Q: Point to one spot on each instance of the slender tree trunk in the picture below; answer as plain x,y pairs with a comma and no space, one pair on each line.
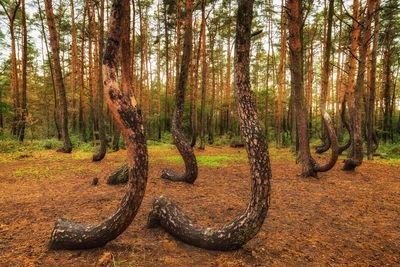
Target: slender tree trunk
166,109
372,88
281,74
74,63
102,132
159,70
58,77
228,70
56,105
183,147
196,88
82,109
11,14
243,228
70,235
24,111
203,76
211,116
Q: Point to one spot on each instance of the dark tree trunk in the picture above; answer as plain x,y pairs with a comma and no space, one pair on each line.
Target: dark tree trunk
166,109
235,234
195,85
55,113
203,76
82,111
70,235
181,144
346,125
24,112
116,136
372,88
325,79
102,131
59,83
210,117
355,157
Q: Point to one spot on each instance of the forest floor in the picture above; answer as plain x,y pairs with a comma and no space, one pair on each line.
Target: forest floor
342,218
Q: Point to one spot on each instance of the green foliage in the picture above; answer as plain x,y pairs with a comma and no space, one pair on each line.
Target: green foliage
211,161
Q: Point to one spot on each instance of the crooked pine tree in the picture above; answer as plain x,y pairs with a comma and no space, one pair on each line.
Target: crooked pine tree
181,144
67,234
238,232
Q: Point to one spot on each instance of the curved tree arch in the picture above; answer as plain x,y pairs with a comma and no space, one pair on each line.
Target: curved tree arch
67,234
184,148
309,166
238,232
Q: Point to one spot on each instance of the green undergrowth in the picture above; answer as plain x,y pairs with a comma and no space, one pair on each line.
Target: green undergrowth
211,161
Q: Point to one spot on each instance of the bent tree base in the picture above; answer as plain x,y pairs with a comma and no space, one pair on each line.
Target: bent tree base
67,234
181,144
234,234
120,175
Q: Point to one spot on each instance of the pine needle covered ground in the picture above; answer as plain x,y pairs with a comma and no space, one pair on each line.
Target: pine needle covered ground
341,218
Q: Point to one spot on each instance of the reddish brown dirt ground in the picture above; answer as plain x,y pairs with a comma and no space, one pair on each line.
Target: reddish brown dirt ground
343,218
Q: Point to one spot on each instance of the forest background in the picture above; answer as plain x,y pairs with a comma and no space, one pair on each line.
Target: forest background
30,105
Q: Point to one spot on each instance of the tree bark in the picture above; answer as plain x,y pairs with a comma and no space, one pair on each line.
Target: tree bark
24,111
102,132
355,157
74,63
82,109
309,166
346,125
372,89
203,76
120,175
211,116
70,235
235,234
59,83
11,14
181,144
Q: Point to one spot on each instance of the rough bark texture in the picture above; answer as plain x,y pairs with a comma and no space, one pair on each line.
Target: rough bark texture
70,235
234,234
181,144
355,157
59,83
120,175
24,111
346,125
203,77
372,89
329,128
102,131
309,166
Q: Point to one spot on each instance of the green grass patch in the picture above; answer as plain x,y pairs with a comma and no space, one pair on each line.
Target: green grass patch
210,161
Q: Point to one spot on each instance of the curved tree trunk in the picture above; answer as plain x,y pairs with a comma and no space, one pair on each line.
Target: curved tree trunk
70,235
120,175
355,157
181,144
324,147
309,165
235,234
